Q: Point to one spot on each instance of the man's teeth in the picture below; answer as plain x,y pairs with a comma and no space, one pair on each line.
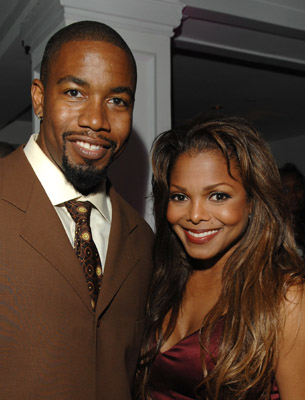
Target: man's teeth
88,146
202,234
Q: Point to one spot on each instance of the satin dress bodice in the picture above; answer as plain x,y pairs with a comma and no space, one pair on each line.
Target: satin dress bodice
177,372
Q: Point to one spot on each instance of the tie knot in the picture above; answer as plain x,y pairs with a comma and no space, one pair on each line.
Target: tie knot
79,211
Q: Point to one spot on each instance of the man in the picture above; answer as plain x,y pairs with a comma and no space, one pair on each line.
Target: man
69,329
293,184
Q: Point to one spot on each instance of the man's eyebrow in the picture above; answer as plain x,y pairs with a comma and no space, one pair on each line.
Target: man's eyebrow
123,89
73,79
81,82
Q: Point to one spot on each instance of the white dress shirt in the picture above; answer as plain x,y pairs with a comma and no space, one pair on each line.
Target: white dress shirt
59,190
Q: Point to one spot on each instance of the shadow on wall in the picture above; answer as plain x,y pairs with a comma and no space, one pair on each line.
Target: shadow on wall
130,173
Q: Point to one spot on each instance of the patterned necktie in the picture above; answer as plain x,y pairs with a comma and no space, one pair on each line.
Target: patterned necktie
85,248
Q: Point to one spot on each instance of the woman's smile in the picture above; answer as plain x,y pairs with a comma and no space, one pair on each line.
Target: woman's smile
200,236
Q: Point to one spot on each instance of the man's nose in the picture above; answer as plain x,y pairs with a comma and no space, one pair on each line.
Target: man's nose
198,211
94,116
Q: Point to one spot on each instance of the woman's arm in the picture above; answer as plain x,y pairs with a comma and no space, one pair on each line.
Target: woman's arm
290,372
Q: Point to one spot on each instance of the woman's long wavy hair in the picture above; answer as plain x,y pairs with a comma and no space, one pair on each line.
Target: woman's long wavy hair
255,277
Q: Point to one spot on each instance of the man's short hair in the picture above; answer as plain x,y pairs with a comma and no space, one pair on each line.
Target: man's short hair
83,30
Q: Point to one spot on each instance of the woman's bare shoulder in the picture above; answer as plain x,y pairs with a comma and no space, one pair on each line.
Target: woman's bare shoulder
290,370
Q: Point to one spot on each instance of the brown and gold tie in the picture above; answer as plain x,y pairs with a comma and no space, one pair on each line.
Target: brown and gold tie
85,248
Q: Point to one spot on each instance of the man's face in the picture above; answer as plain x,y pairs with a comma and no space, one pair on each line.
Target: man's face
87,109
294,191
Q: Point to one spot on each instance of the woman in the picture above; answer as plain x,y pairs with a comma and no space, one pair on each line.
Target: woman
225,310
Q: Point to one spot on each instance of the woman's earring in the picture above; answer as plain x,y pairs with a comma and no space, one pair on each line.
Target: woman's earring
40,117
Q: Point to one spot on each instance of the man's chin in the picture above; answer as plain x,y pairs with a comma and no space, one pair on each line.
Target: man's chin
85,178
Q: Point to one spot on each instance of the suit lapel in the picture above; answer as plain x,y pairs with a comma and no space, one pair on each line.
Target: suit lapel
42,228
43,231
121,255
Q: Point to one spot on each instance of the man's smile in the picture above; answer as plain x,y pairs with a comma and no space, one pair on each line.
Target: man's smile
93,148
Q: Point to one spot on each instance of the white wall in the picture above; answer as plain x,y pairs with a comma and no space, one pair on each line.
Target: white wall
290,150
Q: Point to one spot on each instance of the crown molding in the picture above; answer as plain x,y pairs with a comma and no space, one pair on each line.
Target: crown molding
152,16
156,16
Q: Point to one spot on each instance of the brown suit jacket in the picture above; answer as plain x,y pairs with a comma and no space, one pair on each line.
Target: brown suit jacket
52,346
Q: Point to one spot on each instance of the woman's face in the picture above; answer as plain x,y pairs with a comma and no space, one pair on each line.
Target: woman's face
207,208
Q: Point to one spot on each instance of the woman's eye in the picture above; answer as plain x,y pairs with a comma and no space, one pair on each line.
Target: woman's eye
177,197
219,196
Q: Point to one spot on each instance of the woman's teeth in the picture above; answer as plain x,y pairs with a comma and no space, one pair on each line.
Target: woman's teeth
202,234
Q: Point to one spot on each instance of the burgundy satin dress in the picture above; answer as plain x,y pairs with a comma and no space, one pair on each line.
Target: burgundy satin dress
176,372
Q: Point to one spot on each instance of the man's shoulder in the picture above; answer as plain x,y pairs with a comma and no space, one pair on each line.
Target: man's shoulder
17,178
128,210
11,165
15,165
15,160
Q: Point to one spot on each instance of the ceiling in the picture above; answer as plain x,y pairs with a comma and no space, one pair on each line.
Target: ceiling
267,90
272,98
242,60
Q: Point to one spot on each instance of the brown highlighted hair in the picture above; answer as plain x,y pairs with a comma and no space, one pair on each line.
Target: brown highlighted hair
255,278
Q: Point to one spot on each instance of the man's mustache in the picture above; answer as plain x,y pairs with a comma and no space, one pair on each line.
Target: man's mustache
112,143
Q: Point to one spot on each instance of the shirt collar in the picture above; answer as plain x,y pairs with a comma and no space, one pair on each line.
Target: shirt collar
57,188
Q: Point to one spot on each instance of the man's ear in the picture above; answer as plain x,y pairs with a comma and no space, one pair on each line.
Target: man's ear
37,92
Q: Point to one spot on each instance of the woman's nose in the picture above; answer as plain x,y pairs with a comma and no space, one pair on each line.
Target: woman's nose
198,212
